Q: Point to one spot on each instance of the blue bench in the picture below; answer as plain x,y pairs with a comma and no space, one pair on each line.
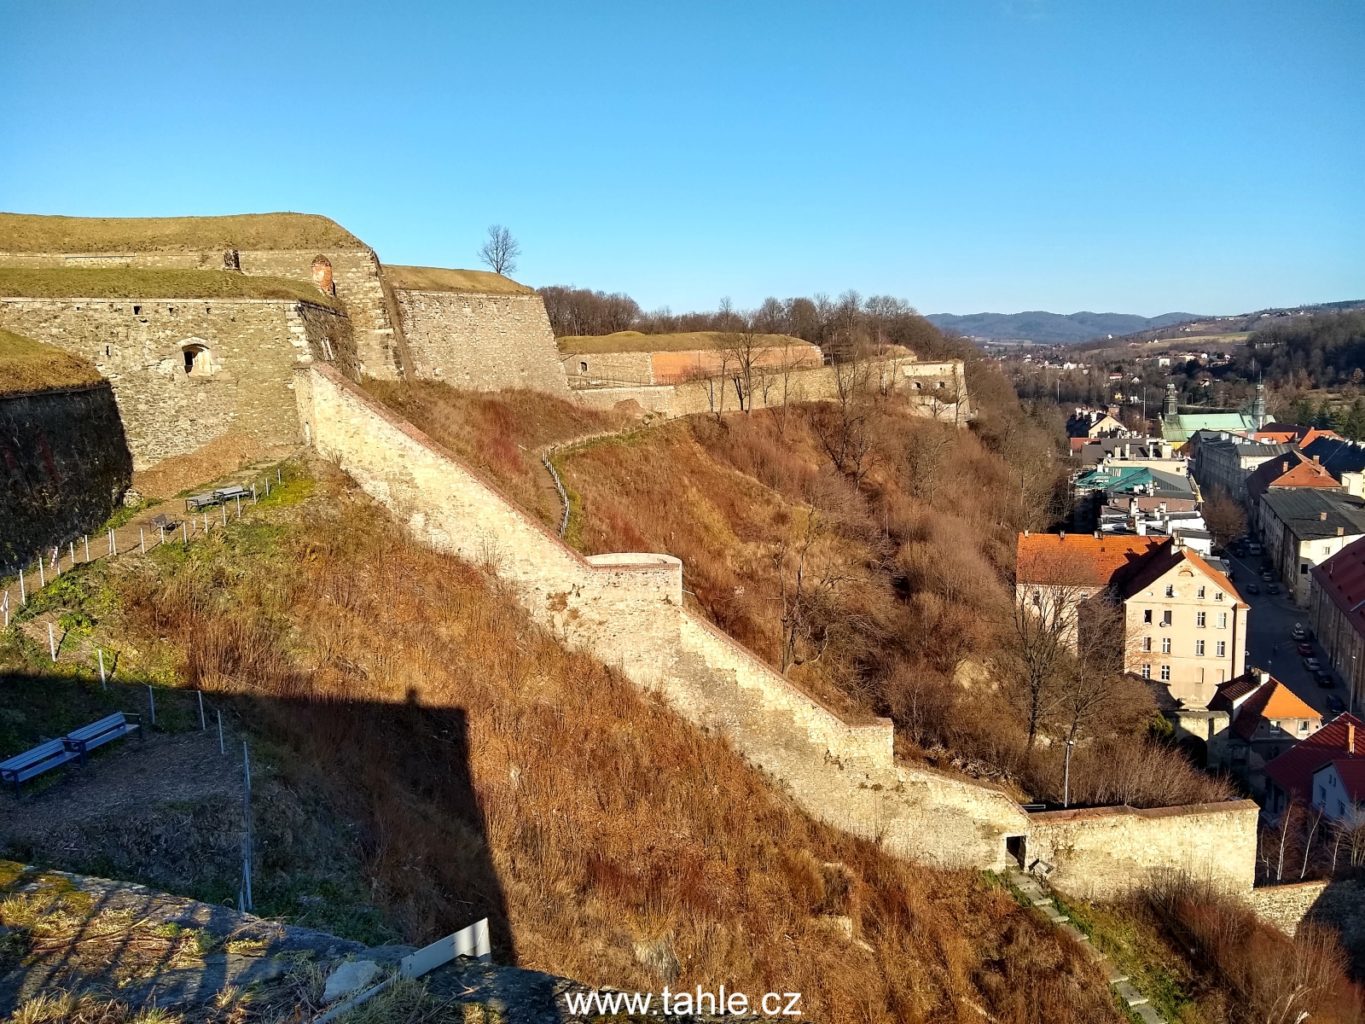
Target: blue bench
89,737
229,493
32,763
199,502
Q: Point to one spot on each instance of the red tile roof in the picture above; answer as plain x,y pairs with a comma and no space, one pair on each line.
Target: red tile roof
1342,579
1293,770
1078,559
1352,773
1272,702
1293,469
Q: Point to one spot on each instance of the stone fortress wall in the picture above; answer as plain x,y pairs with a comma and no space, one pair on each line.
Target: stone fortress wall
480,341
627,610
245,351
355,275
63,467
937,389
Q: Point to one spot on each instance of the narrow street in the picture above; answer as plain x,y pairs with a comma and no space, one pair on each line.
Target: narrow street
1269,645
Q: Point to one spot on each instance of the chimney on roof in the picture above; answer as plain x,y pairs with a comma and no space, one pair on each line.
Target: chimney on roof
1097,534
1317,459
1061,534
1284,466
1322,516
1350,738
1260,675
1341,531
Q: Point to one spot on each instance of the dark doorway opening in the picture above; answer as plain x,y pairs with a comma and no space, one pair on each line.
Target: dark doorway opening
1015,849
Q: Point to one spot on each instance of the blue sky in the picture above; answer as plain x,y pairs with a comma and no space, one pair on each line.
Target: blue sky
973,155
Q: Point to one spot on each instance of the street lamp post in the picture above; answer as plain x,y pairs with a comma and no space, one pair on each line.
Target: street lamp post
1066,774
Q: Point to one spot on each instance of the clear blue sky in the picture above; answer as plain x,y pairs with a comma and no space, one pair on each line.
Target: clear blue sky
1200,155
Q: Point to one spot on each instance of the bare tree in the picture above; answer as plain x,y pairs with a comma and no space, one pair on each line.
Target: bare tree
846,435
805,588
1225,516
500,250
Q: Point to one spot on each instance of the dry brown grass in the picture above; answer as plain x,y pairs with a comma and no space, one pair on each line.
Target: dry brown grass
441,279
496,773
686,341
135,283
499,433
27,365
29,232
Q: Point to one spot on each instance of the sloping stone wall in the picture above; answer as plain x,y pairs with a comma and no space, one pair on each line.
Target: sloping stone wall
482,342
627,610
246,383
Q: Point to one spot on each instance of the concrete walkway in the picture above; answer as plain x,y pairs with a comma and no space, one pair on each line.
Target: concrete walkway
1135,1001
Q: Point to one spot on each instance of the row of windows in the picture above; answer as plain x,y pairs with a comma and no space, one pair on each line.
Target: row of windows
1201,593
1200,648
1201,619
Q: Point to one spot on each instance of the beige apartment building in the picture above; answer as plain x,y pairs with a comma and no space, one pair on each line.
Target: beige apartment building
1185,624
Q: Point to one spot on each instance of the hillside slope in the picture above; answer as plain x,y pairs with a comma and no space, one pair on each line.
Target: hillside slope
475,767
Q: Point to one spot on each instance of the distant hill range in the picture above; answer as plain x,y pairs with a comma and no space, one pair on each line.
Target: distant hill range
1053,328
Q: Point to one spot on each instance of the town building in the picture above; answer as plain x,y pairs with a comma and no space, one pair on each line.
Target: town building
1339,791
1177,427
1303,527
1344,459
1290,777
1224,461
1092,423
1336,605
1184,624
1293,469
1267,718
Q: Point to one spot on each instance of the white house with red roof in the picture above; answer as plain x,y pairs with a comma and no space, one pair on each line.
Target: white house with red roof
1339,791
1290,777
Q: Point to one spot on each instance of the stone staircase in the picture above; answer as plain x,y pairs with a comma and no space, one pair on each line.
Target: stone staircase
1033,891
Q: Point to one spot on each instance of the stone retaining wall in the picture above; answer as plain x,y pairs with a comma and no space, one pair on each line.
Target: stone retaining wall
251,348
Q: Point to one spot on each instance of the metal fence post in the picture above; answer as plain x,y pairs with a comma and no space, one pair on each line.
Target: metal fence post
52,641
42,576
85,538
202,726
224,508
57,560
246,825
142,539
151,704
103,682
221,748
184,532
4,607
23,593
71,549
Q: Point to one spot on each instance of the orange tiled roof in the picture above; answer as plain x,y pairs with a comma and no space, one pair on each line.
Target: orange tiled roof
1078,559
1271,701
1293,770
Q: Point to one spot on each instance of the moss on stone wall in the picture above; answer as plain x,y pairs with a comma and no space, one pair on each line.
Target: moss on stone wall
137,283
28,365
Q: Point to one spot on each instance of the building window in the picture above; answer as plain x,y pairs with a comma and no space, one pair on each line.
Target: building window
583,367
1222,620
1166,618
1199,648
1218,595
1146,643
1303,568
1199,619
1165,673
1201,593
1146,671
1038,599
1147,616
1222,648
198,361
1170,590
1165,645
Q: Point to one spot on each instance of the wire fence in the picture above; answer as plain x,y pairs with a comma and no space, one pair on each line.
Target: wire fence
27,605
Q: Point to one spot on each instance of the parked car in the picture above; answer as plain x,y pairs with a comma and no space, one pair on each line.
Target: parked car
1312,664
1335,705
1272,588
1252,588
1299,632
1254,549
1265,575
1325,680
1306,650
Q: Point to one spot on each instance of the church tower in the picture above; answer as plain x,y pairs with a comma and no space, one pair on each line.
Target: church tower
1258,407
1170,408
